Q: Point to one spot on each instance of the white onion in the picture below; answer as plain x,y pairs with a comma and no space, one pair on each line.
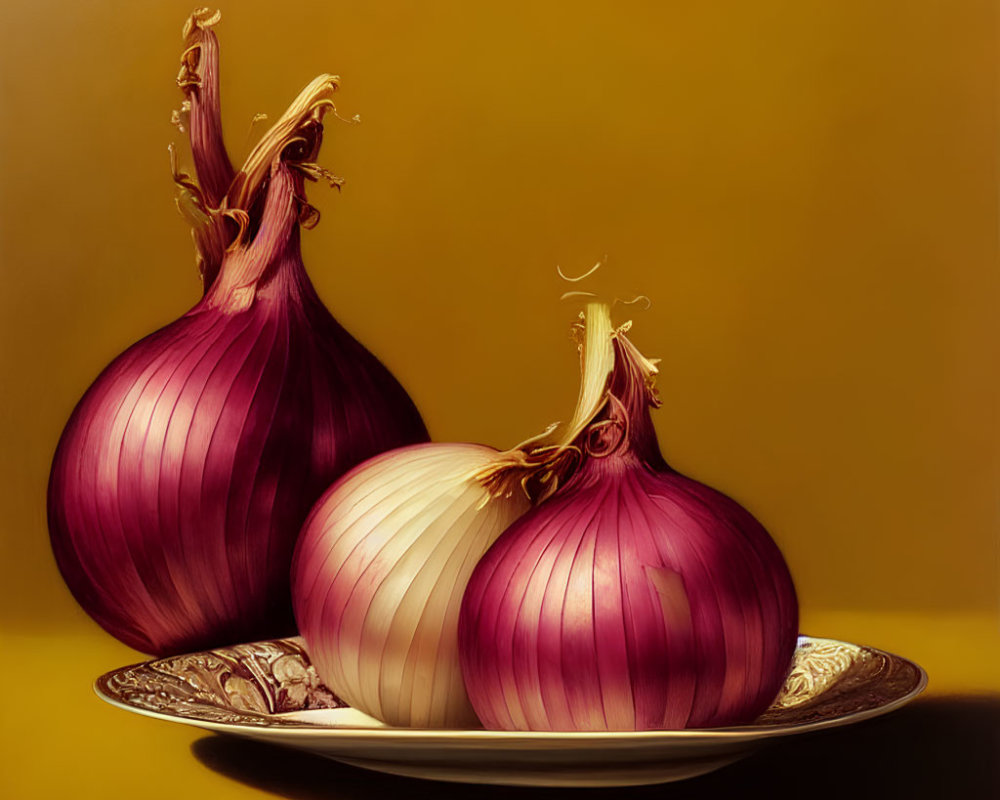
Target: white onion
379,574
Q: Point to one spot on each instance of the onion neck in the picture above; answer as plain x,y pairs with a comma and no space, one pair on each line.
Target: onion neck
624,428
611,424
271,255
241,228
619,427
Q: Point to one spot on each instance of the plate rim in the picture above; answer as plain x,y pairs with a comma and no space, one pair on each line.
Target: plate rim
442,736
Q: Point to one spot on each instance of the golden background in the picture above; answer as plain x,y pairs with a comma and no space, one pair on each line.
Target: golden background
807,192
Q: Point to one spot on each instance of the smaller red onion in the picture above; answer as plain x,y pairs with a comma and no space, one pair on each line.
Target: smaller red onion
634,598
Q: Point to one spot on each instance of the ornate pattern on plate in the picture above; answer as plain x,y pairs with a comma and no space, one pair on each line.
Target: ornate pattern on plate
249,684
831,679
245,684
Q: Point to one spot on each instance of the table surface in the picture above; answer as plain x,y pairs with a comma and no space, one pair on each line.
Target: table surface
58,739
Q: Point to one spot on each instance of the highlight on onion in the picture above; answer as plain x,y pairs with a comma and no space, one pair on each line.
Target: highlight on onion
184,474
634,598
384,557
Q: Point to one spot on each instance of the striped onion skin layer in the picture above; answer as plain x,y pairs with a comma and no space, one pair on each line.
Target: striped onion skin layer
634,598
379,574
184,474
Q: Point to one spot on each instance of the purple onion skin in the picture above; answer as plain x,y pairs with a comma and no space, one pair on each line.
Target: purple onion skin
183,477
633,599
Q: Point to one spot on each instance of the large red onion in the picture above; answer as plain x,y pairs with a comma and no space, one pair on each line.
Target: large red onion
634,598
185,472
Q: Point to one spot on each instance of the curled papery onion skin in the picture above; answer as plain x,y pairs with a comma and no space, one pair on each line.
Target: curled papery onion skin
184,474
635,598
379,573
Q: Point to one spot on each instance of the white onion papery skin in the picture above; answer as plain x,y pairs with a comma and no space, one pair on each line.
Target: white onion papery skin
378,578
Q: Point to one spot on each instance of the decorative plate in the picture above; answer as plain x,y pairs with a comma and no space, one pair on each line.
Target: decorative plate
269,691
